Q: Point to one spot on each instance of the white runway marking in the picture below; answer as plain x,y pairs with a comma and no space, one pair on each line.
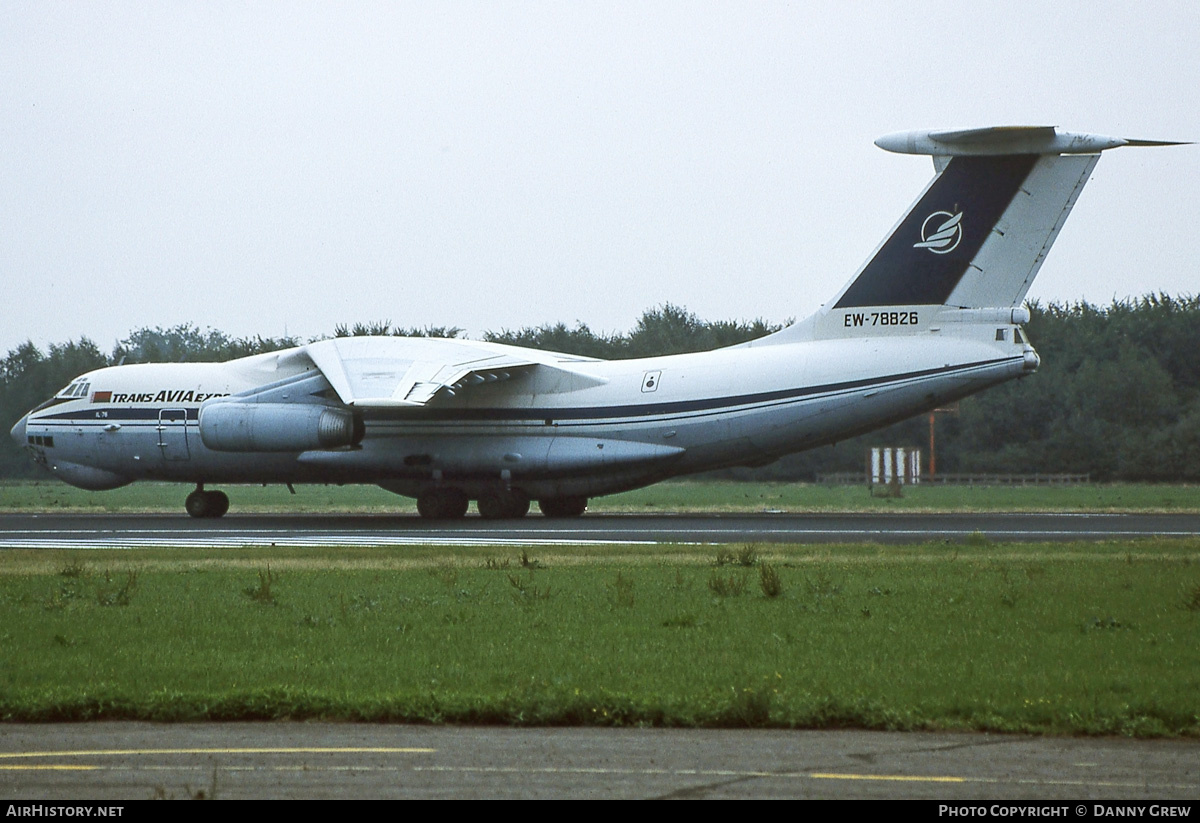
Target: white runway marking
34,532
580,537
312,541
359,540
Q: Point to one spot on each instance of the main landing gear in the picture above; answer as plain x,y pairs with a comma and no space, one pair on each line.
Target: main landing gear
503,505
206,504
449,503
442,504
571,506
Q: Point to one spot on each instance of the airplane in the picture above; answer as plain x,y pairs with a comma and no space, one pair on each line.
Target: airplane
934,315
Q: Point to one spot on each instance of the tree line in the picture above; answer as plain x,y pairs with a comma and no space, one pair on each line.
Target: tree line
1117,395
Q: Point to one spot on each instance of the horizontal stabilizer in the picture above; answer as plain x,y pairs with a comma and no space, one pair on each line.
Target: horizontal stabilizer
998,140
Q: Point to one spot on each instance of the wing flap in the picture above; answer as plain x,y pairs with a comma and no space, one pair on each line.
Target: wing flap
412,371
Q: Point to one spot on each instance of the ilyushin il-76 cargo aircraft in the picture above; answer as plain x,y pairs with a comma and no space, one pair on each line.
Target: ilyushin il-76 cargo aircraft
934,315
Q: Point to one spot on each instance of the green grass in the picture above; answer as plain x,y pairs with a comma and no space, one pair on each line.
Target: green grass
1061,638
674,496
810,497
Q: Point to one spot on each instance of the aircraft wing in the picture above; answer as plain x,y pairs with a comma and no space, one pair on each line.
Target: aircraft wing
411,371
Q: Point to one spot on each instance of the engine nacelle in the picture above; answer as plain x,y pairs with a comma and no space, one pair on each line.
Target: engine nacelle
276,427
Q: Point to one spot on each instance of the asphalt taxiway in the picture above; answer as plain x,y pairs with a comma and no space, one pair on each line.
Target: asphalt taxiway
115,761
83,531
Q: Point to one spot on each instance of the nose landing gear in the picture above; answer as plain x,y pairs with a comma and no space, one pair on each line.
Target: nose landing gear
206,504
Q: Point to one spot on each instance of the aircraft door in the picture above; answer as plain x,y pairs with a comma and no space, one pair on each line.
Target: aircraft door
172,434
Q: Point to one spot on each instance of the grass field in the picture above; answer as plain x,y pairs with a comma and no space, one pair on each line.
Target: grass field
1062,638
676,496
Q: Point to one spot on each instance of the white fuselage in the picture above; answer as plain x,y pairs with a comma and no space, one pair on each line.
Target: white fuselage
632,422
933,315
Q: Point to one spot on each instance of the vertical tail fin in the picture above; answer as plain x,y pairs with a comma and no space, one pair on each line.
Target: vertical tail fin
976,237
979,232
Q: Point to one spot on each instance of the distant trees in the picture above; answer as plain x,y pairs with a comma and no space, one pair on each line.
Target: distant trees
188,344
384,328
1118,393
666,329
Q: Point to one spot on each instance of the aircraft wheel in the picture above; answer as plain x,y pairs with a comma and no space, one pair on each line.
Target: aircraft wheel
570,506
503,505
197,504
519,505
442,504
206,504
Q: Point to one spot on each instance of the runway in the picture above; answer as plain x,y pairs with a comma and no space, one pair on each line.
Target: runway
92,531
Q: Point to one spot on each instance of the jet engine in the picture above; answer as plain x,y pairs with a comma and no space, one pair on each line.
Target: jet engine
276,427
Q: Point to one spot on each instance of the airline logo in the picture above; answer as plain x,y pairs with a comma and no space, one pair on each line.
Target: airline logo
165,396
941,232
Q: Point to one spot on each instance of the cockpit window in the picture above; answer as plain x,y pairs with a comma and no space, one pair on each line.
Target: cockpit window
78,388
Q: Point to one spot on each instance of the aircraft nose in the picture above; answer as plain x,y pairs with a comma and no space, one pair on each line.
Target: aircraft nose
18,431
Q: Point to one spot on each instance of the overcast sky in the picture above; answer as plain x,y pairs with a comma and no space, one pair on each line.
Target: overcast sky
272,168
